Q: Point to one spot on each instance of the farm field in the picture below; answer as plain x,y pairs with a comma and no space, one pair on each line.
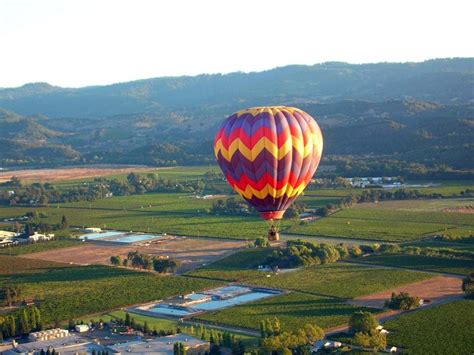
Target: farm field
176,213
72,291
444,329
236,267
392,213
425,263
70,173
377,230
434,289
41,247
191,252
294,310
422,205
392,221
342,280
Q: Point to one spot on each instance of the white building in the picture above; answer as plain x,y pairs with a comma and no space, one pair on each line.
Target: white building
81,328
92,230
40,237
7,234
48,334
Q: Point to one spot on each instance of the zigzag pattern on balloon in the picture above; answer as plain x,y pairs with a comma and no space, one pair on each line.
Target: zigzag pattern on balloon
269,154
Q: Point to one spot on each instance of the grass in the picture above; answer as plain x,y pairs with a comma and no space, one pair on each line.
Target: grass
424,263
37,247
377,230
294,310
10,265
445,329
236,267
341,280
392,213
391,221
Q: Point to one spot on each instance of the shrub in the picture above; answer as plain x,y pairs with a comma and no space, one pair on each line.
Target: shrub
402,301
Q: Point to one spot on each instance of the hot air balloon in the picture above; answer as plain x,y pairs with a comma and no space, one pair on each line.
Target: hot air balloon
269,155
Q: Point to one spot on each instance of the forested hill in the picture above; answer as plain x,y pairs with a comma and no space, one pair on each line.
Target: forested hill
414,119
442,81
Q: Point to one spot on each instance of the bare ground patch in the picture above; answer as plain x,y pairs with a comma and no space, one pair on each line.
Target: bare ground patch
69,173
436,289
192,252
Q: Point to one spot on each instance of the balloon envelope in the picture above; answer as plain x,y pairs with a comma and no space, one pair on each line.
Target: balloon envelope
269,155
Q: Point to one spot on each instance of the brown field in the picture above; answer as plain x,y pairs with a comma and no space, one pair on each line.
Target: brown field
436,289
69,173
192,252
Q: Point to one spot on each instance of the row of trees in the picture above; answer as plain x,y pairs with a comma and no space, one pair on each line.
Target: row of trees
146,262
298,341
22,321
100,188
305,253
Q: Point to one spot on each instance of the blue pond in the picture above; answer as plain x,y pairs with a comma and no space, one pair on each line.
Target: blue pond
119,237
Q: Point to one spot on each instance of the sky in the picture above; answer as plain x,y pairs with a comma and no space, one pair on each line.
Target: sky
75,43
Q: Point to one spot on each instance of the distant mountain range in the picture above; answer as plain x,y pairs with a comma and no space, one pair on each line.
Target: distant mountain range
416,112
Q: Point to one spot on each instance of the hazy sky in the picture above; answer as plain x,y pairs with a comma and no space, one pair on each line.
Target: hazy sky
88,42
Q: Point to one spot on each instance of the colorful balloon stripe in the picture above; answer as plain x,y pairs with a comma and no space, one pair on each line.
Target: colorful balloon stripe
269,155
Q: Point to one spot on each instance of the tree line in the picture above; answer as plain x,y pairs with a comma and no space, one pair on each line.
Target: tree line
101,188
146,262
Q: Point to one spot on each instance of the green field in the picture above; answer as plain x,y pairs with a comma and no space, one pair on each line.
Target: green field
294,310
37,247
172,213
377,230
68,292
240,266
393,221
445,329
425,263
341,279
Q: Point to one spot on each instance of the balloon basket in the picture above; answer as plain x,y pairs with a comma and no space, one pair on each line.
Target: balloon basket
273,234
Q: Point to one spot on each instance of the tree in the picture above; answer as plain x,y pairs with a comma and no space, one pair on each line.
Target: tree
402,301
364,322
64,222
262,242
115,260
127,319
468,285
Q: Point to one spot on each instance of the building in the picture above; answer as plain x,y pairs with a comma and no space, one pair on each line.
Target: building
48,334
92,230
71,344
40,237
325,344
162,345
7,235
81,328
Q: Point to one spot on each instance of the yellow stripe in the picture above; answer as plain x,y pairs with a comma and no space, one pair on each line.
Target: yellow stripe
272,148
254,111
288,190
